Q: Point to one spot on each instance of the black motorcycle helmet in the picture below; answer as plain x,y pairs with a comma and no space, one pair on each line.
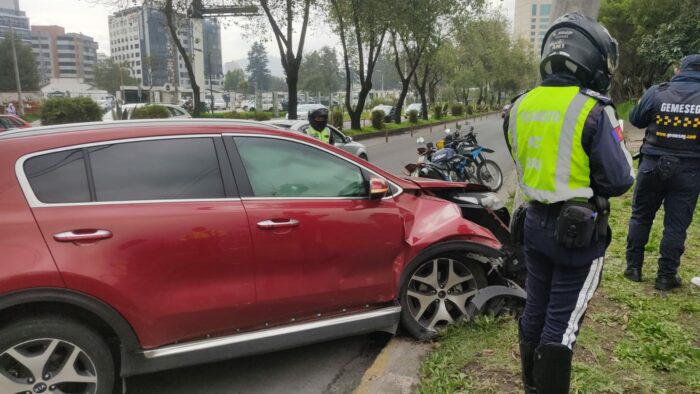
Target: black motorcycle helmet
318,118
578,45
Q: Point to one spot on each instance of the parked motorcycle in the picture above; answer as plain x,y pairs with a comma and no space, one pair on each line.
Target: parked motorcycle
460,159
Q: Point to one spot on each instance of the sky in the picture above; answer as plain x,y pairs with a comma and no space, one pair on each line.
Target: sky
83,16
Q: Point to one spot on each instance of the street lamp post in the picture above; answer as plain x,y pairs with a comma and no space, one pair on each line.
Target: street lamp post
14,58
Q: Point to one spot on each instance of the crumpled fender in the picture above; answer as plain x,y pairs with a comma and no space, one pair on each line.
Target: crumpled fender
480,299
430,220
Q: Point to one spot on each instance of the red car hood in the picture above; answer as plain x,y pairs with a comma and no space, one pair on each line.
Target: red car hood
435,185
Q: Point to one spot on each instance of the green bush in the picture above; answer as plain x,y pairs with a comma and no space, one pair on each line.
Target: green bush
437,111
457,109
470,109
337,119
378,119
259,116
150,112
70,110
413,116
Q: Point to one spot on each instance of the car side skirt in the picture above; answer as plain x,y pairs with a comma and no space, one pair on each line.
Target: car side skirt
258,342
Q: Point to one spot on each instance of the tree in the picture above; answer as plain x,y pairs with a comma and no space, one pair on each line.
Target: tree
653,35
110,75
175,22
233,79
28,75
281,15
416,22
319,71
362,26
277,84
258,73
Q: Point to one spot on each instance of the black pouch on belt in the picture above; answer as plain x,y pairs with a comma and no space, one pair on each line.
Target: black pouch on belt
576,225
517,224
666,166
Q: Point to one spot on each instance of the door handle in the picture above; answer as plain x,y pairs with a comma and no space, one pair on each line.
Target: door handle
277,223
82,235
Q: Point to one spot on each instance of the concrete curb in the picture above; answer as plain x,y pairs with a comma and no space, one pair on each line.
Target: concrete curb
404,130
396,369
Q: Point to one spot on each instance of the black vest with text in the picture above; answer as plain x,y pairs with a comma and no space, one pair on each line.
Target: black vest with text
675,123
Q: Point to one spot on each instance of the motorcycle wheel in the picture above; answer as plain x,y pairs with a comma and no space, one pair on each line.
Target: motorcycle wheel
489,174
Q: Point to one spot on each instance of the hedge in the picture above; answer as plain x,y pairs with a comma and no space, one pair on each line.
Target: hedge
63,110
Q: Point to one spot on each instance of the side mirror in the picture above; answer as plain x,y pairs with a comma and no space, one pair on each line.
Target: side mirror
348,140
377,188
420,140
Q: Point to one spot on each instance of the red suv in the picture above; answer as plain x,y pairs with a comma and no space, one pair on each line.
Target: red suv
132,247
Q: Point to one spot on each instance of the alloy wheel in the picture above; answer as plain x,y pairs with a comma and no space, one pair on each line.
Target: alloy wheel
47,365
439,291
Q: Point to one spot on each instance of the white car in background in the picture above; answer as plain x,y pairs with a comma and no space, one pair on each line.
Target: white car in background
176,112
304,109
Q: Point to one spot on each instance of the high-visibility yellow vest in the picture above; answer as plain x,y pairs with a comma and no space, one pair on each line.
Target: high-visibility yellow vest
545,130
324,135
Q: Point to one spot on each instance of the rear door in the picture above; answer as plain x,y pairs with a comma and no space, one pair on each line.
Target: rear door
153,227
321,246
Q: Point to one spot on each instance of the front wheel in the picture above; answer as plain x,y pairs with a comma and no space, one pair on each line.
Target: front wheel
436,292
489,174
56,355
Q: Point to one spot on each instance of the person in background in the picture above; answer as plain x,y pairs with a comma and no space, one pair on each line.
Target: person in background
669,171
11,109
318,119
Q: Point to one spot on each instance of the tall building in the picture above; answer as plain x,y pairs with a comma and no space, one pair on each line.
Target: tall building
213,63
61,55
534,17
140,38
12,17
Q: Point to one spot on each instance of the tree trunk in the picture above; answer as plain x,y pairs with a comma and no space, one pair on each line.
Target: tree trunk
292,95
421,87
405,84
169,15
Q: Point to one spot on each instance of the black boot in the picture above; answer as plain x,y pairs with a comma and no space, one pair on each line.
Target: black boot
666,283
527,359
552,368
633,274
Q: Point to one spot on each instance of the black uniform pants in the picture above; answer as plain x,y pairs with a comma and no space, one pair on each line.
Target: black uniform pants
560,281
679,194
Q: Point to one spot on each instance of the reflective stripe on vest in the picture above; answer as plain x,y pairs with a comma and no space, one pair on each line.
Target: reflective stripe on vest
545,136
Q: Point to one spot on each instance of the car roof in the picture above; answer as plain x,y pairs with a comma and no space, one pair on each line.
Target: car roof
123,124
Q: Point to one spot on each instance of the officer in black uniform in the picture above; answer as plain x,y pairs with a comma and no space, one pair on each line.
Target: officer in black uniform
565,227
669,171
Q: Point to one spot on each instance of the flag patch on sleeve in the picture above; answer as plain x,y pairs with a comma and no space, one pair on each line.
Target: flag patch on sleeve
617,134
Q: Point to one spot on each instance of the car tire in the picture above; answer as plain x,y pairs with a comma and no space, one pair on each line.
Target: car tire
59,340
424,307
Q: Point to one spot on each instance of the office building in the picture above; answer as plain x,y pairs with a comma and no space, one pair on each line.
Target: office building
140,39
63,55
534,17
12,17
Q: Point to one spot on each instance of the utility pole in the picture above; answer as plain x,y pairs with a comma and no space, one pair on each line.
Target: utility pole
211,89
19,84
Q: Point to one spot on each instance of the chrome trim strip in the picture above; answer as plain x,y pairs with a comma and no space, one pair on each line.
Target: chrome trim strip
35,203
206,344
395,186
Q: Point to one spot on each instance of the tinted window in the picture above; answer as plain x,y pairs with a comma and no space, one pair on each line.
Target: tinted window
279,168
58,177
157,170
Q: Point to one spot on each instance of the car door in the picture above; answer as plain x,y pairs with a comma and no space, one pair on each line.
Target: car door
153,227
321,245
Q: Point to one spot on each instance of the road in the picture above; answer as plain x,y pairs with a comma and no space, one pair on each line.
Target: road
331,367
401,149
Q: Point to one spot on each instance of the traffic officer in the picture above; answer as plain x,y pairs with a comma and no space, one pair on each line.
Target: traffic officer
570,157
669,171
318,119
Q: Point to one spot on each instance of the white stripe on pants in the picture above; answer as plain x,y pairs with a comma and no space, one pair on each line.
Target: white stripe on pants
584,296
